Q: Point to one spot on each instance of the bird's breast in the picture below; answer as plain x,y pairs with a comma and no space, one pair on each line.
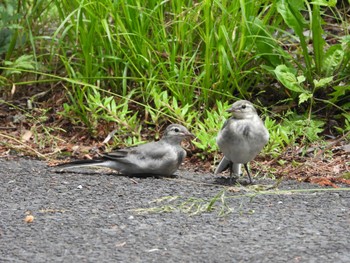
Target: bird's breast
242,139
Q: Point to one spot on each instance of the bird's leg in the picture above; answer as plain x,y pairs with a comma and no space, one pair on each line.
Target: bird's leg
231,171
246,168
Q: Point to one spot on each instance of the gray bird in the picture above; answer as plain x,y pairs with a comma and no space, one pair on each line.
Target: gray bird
162,157
241,138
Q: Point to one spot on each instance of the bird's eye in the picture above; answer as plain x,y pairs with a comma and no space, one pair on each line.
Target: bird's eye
176,130
244,106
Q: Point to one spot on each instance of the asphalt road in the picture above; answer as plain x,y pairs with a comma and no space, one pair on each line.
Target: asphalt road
92,217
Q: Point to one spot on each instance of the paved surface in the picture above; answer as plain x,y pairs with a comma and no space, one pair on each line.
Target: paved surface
92,218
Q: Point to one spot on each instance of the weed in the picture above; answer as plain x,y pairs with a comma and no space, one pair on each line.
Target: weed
192,206
177,60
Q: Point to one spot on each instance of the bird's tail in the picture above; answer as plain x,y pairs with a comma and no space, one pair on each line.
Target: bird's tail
83,163
225,164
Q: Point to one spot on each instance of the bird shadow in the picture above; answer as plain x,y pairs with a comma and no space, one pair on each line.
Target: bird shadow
227,181
111,173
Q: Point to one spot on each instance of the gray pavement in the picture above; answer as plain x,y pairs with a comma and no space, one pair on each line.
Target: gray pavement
94,217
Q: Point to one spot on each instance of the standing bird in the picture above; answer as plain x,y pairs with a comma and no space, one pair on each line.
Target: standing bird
154,158
241,138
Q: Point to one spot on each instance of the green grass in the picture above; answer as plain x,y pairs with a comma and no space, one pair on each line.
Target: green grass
219,204
192,206
183,61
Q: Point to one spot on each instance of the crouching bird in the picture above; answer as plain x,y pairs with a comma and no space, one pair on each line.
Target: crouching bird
161,157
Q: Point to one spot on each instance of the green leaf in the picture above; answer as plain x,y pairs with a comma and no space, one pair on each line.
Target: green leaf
330,3
304,97
290,11
266,44
301,79
286,76
333,59
339,91
23,62
317,39
322,82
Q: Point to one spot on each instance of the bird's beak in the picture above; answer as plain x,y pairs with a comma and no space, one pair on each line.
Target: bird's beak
190,135
230,110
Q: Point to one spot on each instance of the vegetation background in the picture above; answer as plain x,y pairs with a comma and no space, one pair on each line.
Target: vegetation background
73,71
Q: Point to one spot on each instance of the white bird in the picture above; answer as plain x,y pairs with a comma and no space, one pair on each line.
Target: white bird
161,157
241,138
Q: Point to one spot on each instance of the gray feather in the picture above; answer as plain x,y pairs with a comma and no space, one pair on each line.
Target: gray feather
242,137
155,158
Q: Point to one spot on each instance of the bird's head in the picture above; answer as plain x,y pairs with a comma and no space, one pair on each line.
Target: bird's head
242,109
177,132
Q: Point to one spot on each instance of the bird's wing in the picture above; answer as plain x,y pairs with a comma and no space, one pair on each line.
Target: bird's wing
228,121
225,124
149,151
150,158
